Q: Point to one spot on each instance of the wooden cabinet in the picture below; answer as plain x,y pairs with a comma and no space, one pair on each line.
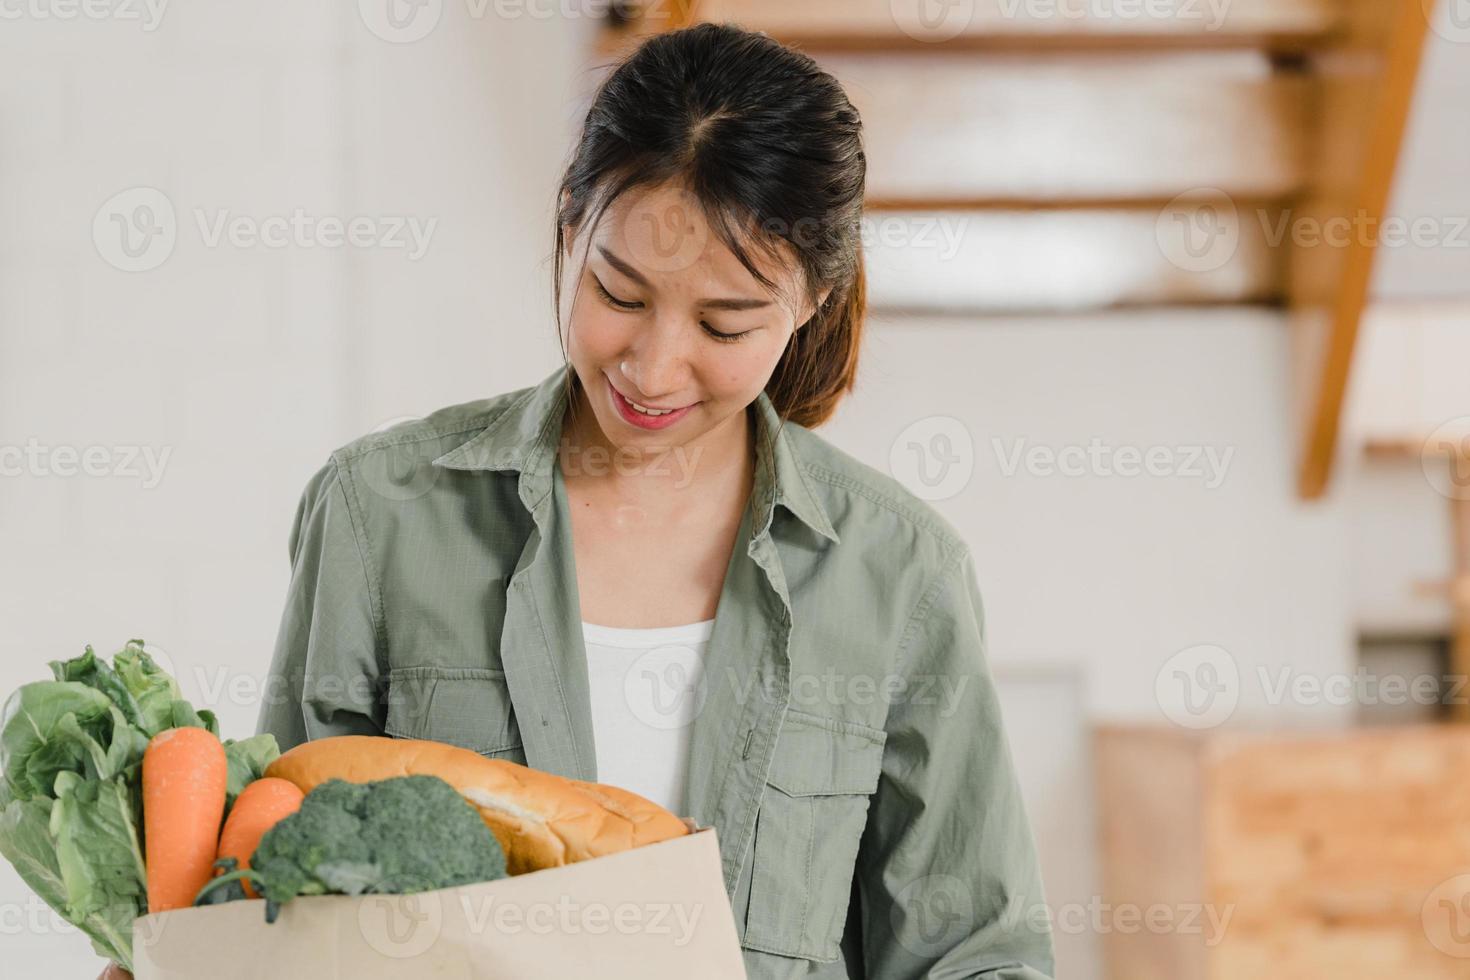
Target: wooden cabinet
1294,856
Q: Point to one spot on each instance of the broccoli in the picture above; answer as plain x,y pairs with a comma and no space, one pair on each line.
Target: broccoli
395,836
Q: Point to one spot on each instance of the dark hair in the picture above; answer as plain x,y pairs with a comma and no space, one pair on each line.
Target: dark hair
770,147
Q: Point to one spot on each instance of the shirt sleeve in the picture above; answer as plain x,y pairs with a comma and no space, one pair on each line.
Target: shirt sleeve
948,878
325,672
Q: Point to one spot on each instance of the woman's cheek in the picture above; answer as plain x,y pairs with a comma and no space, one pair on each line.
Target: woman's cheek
599,333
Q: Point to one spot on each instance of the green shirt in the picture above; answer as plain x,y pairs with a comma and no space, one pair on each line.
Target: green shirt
848,749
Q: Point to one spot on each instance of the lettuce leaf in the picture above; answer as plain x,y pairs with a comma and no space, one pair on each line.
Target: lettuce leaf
94,672
247,759
27,843
94,823
151,686
71,756
34,745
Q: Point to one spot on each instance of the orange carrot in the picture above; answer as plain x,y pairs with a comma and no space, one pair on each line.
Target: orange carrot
184,777
262,805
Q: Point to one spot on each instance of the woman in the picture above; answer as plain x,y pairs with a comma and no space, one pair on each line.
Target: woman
592,575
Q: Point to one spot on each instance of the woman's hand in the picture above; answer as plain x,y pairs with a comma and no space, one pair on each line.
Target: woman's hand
115,972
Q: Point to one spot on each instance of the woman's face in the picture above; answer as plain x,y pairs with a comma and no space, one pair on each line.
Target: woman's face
664,315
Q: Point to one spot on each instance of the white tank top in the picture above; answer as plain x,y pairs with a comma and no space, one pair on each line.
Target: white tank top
646,687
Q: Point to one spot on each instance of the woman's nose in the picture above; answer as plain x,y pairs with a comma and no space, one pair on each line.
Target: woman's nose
654,379
659,367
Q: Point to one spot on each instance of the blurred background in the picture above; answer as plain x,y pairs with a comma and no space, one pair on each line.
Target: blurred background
1171,317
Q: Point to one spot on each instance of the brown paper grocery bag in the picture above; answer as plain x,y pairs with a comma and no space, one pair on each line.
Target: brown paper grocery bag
657,912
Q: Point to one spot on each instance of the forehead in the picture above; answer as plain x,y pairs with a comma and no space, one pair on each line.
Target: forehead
665,234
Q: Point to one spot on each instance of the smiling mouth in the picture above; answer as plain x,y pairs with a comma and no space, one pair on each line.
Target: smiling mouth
643,417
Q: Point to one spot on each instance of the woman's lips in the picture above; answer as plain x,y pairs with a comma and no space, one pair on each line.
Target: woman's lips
634,417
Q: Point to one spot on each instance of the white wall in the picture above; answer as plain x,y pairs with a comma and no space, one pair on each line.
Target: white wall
246,365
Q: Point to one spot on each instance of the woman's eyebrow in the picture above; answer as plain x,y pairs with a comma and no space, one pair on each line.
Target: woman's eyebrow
718,304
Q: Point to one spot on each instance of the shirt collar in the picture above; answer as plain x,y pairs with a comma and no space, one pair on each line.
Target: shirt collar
524,437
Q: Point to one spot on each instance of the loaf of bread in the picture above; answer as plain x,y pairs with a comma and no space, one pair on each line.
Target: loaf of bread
541,820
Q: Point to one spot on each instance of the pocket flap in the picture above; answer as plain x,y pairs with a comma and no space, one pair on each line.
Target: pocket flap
817,756
465,706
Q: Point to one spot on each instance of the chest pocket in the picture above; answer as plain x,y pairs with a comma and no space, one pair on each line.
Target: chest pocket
465,706
807,832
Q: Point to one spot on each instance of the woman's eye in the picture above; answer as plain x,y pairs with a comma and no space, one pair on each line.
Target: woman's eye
612,300
724,338
623,304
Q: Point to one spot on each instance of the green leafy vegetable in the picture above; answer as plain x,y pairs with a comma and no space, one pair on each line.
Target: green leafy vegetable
95,826
247,759
150,685
34,750
95,673
71,752
395,836
26,842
